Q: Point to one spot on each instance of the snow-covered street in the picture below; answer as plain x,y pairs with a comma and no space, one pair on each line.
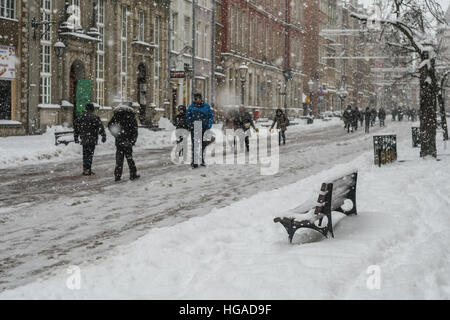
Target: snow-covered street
209,233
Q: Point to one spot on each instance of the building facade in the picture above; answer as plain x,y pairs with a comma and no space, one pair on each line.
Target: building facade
71,52
190,51
257,39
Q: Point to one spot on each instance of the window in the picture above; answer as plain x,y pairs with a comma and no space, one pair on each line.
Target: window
157,62
156,30
174,43
45,55
123,60
206,52
141,30
101,53
75,13
187,31
197,39
8,9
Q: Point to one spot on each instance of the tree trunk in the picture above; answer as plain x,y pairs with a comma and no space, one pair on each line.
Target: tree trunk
427,114
442,112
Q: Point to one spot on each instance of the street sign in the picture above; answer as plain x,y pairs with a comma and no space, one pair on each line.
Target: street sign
180,74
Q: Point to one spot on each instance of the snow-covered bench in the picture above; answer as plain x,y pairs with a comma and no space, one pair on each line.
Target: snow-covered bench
335,196
64,137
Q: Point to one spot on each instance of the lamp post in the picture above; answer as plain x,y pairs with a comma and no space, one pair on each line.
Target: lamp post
243,70
342,95
59,48
311,89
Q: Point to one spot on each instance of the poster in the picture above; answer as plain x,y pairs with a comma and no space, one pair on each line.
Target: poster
7,63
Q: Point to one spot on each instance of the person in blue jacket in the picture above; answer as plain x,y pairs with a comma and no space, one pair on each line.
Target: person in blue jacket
199,111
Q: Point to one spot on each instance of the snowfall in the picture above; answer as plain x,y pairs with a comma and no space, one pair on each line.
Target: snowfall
209,233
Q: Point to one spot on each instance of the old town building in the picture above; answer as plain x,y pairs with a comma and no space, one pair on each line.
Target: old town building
260,63
60,54
71,52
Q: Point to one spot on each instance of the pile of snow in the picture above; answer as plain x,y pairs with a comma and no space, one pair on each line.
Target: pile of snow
237,252
166,124
27,150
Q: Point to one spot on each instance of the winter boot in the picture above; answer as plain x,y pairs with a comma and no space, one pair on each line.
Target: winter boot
134,175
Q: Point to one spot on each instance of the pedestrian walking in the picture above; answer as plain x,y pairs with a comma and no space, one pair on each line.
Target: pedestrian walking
88,127
282,122
124,127
200,112
245,122
361,117
382,117
394,113
348,119
373,116
356,115
367,118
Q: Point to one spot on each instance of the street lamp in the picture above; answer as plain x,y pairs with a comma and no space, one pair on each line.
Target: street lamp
342,95
311,89
243,70
59,48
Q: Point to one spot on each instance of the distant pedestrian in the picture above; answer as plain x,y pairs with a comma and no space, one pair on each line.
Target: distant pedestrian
348,119
367,118
282,122
373,116
88,127
200,112
361,117
124,127
394,113
356,116
400,114
382,117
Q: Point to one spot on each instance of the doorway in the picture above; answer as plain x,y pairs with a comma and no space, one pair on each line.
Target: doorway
5,100
77,73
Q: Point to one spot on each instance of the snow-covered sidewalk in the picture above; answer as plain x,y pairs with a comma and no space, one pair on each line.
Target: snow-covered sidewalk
237,252
30,150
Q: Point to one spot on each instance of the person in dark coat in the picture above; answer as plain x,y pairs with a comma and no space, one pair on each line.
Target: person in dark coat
124,127
394,113
373,116
245,122
356,116
88,127
282,122
361,117
367,118
180,123
348,119
382,117
199,112
400,114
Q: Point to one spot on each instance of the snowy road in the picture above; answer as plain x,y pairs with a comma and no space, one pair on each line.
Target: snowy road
52,217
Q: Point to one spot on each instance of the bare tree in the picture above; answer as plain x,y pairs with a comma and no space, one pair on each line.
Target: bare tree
408,28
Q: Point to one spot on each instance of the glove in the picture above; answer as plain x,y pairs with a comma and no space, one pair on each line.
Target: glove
103,139
76,140
257,130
